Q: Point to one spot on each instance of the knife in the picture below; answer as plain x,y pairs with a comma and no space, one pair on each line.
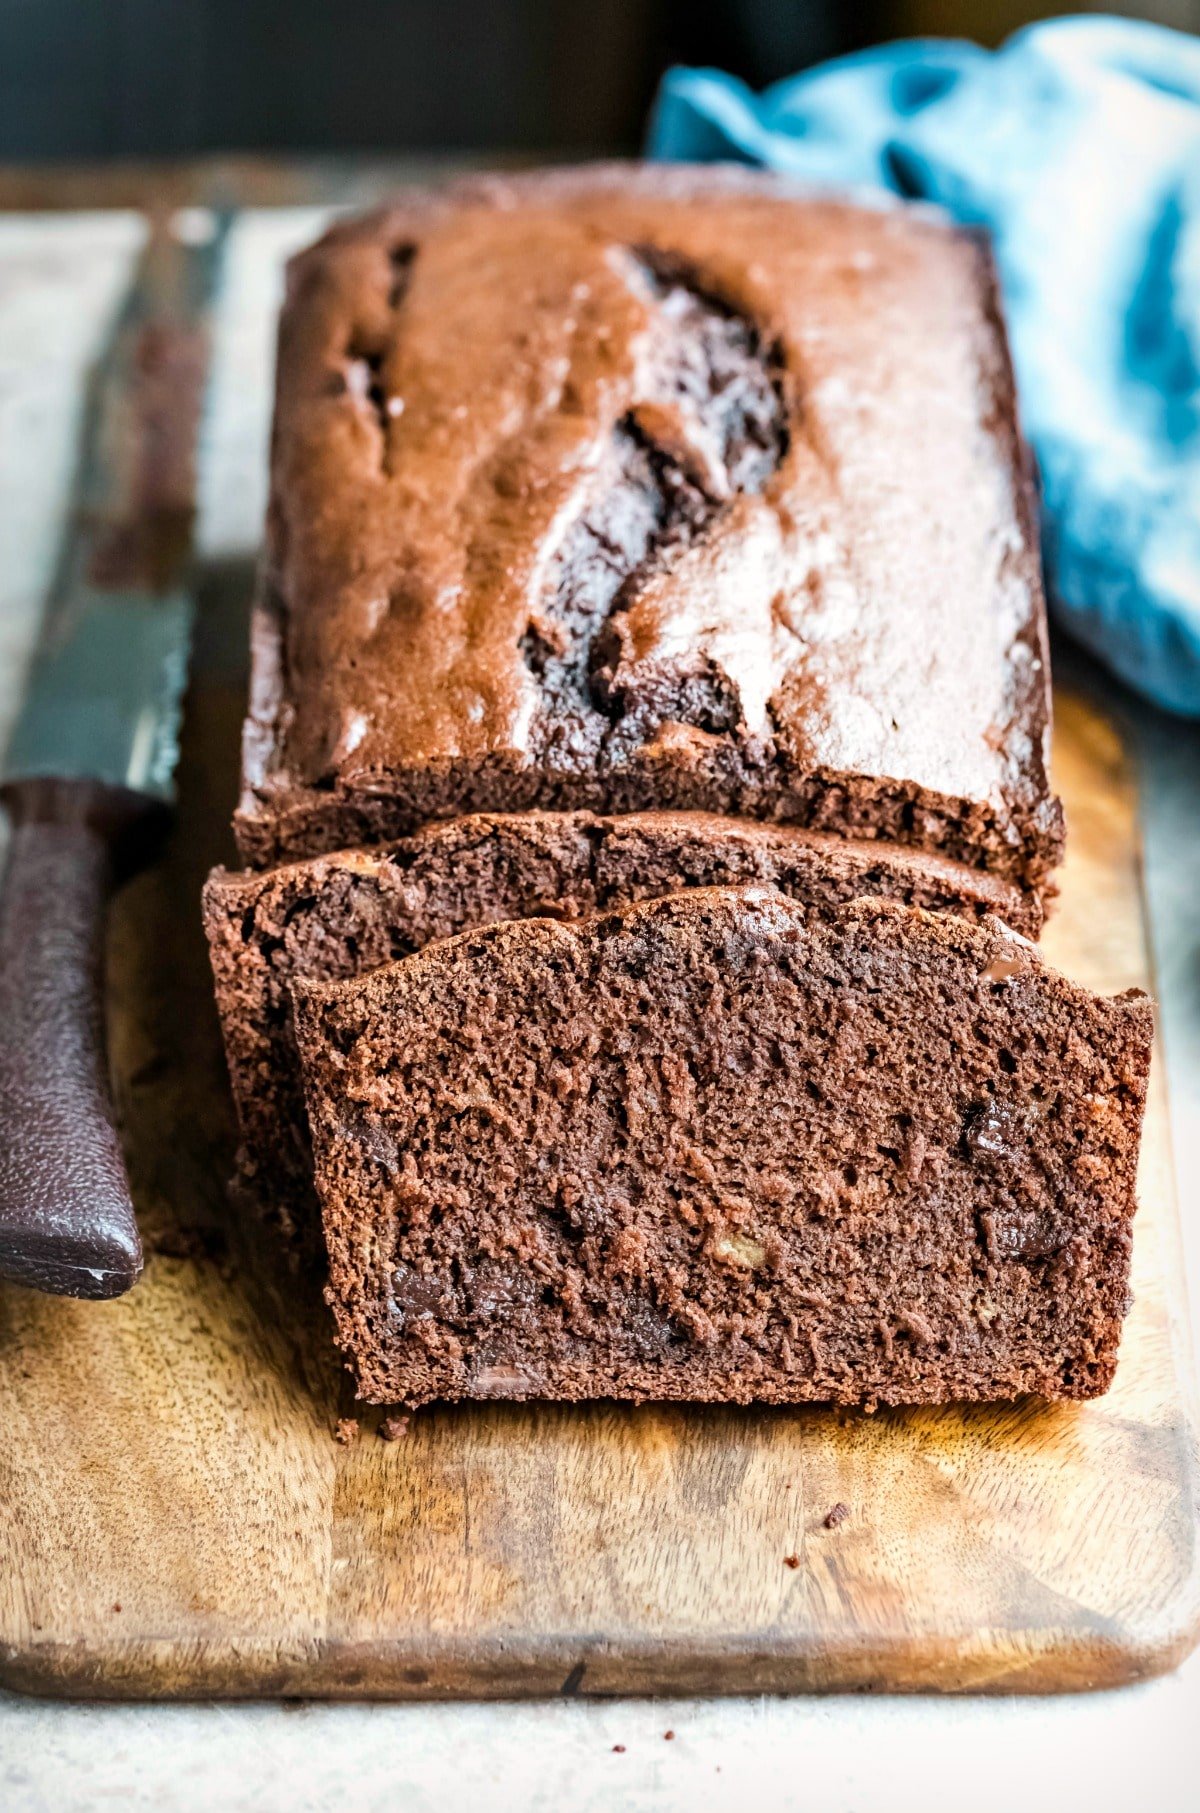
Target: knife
88,780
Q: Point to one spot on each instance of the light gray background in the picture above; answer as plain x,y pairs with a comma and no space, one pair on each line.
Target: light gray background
60,279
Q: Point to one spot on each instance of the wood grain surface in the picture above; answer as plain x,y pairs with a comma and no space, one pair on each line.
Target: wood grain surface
179,1519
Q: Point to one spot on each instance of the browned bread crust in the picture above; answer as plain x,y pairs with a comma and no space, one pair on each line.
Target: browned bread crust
632,488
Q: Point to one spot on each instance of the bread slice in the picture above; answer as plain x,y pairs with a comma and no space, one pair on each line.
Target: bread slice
342,915
725,1146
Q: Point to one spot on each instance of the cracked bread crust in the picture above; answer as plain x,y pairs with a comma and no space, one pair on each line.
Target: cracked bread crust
720,1147
338,916
643,487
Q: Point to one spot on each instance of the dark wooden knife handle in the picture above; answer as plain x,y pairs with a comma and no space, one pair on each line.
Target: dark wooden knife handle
66,1217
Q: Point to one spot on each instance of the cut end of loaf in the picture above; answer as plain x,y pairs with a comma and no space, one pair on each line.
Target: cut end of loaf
720,1146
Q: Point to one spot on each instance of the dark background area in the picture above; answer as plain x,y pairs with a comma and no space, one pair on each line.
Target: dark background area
162,78
151,77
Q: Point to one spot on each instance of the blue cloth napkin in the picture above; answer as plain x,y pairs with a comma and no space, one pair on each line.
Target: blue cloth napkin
1078,146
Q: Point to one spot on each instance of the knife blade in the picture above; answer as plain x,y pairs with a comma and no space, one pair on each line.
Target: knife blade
88,777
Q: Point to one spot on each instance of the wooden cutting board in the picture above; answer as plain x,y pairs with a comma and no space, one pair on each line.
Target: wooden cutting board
178,1519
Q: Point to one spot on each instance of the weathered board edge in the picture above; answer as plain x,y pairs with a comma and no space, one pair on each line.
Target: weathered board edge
992,1662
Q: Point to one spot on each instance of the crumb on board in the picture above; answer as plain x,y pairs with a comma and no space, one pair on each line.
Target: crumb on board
837,1515
667,1736
345,1430
618,1749
393,1428
791,1561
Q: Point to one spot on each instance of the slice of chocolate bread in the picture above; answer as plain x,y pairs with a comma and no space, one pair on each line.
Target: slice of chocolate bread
342,915
721,1146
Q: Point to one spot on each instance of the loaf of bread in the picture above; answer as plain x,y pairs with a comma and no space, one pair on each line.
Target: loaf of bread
636,488
724,1146
644,797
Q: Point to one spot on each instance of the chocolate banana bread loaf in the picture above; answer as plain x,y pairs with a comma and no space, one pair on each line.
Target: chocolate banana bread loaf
631,488
341,915
726,1146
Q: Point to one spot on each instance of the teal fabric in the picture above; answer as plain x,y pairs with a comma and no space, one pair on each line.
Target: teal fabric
1077,145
